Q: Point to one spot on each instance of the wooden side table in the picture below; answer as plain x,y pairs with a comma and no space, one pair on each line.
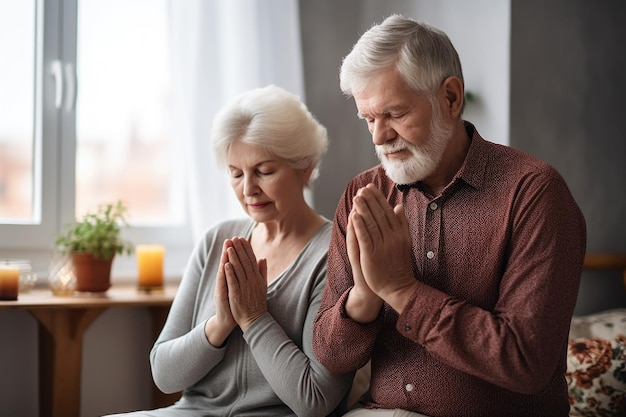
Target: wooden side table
62,322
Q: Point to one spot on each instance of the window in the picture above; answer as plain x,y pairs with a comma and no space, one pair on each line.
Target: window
86,105
106,96
16,105
125,144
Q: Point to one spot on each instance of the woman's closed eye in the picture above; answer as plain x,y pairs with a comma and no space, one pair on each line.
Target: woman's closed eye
258,172
236,173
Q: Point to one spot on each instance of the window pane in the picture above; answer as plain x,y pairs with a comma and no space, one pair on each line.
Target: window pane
17,97
124,140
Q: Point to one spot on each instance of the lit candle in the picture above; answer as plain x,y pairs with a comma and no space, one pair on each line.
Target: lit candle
150,266
9,282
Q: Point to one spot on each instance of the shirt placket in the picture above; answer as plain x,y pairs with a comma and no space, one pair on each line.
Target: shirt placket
432,229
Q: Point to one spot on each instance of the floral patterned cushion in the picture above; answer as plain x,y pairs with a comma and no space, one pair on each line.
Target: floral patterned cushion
596,364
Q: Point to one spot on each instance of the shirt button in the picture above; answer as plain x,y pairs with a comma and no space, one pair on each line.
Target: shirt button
409,387
433,206
430,254
407,328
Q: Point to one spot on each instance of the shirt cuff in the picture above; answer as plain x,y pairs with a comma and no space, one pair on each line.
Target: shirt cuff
421,313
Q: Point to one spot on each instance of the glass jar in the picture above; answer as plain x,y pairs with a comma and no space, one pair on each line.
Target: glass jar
28,278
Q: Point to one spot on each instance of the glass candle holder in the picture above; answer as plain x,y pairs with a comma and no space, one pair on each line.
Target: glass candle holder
9,282
61,278
28,278
150,267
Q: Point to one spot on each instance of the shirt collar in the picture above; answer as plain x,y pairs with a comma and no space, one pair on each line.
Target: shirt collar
473,169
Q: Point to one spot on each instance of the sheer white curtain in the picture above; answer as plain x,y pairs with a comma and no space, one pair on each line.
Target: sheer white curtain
220,49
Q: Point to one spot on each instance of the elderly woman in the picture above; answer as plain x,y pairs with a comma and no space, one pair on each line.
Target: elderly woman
237,340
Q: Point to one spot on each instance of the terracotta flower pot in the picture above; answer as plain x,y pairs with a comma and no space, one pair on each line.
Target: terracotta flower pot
92,274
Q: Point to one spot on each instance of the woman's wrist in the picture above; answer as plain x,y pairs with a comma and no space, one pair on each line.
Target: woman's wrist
215,333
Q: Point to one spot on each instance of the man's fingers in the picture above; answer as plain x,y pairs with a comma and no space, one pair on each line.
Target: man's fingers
352,243
365,221
375,212
378,204
359,230
371,199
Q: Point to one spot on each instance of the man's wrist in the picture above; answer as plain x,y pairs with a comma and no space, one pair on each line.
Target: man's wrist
363,306
398,297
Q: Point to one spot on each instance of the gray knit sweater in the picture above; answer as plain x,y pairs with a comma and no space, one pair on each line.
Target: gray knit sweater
268,371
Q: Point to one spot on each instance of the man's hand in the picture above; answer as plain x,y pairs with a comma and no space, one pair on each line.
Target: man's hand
384,244
363,304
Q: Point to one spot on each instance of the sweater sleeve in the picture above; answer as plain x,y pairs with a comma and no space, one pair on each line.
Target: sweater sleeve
182,355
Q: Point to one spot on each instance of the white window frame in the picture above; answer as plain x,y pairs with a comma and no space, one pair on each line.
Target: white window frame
54,158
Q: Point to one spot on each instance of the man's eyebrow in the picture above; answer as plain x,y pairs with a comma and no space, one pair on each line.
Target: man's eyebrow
385,111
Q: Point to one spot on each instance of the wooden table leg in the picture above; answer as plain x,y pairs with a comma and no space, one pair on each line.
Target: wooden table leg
159,398
60,358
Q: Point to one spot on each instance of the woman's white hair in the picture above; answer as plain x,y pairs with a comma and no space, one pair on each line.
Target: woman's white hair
423,55
275,120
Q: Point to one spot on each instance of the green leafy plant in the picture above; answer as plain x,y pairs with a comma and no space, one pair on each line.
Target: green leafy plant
97,233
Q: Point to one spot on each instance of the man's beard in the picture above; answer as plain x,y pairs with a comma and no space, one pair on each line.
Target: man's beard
424,158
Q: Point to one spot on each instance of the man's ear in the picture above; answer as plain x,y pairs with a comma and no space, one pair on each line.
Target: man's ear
452,90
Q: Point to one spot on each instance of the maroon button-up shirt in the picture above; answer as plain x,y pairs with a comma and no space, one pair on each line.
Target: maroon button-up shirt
498,256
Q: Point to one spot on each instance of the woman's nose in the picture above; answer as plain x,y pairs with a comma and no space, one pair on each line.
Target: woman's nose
250,186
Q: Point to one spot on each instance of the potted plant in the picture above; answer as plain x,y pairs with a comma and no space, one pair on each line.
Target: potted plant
92,243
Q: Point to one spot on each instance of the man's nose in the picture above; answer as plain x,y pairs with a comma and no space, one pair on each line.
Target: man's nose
381,132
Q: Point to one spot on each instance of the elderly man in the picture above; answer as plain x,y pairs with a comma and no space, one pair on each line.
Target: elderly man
454,265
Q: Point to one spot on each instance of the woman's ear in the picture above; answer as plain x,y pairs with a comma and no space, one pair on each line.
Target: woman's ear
306,174
452,90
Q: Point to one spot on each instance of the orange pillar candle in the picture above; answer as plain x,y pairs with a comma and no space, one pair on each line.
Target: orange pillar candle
150,266
9,282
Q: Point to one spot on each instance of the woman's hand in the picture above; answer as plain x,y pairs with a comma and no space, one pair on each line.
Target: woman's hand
219,327
247,283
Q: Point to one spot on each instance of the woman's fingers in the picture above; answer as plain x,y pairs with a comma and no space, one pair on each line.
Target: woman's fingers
225,319
221,289
242,258
262,263
247,284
